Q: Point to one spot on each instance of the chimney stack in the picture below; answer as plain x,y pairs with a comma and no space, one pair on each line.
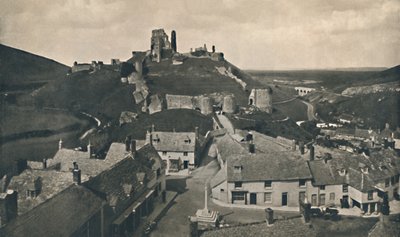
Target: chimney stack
127,143
196,132
252,147
60,144
293,145
269,216
8,206
148,138
133,146
311,153
89,149
152,128
44,162
76,174
301,147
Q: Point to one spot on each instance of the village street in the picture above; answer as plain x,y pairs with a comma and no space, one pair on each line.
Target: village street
191,197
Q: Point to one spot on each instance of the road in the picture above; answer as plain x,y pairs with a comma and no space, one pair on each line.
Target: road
310,111
175,222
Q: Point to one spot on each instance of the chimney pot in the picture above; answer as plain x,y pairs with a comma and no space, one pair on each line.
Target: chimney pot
301,147
76,174
44,163
311,153
133,145
127,143
252,148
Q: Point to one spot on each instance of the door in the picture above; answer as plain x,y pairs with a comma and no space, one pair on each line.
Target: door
185,164
345,201
253,198
284,199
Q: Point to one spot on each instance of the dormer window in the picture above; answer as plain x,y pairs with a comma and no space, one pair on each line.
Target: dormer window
364,170
237,169
387,183
342,172
268,184
302,182
188,141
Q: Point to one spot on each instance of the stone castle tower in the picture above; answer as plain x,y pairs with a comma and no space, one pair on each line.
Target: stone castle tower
173,41
160,45
262,99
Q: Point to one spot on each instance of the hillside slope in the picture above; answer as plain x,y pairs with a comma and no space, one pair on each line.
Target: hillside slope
22,70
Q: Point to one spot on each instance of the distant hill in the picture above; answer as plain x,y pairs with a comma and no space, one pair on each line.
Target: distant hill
385,76
21,70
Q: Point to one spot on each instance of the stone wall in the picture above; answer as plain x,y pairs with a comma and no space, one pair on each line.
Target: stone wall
179,101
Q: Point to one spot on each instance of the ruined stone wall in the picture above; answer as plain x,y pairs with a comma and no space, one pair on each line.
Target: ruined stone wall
206,106
179,101
262,99
229,104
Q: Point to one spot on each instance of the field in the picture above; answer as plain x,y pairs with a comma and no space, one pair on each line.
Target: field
32,134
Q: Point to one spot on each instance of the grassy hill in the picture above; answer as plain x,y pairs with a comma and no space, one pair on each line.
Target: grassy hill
375,109
20,70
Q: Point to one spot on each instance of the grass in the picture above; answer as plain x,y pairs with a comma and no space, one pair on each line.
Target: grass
20,70
375,109
180,120
295,109
27,133
270,125
14,120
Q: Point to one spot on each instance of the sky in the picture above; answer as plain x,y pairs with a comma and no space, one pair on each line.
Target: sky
256,34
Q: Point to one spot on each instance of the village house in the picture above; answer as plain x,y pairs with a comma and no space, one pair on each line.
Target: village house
346,180
130,190
260,171
179,150
75,211
111,203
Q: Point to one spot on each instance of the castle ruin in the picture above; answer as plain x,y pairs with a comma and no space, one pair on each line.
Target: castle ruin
262,99
160,45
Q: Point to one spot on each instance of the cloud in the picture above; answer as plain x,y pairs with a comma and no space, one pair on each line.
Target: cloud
252,34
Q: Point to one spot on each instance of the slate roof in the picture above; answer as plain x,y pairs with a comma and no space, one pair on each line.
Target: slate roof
112,183
51,183
227,147
267,166
381,165
271,161
62,215
174,141
219,178
280,228
89,166
385,229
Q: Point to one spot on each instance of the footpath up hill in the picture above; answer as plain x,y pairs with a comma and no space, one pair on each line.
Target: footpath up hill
20,70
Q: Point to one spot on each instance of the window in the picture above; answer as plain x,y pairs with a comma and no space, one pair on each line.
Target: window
322,199
268,197
185,153
387,183
322,187
314,199
393,180
222,190
237,169
267,184
302,183
238,184
164,153
188,141
332,197
345,188
302,196
238,196
370,195
158,172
